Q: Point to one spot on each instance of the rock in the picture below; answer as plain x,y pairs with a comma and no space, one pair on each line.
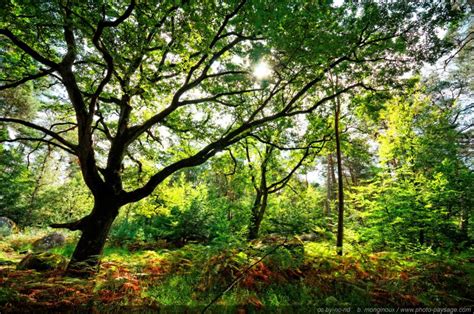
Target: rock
43,261
54,239
272,238
7,226
309,237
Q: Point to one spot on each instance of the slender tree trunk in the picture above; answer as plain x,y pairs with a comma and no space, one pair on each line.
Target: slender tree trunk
258,211
333,177
39,178
340,194
95,228
260,204
330,181
354,180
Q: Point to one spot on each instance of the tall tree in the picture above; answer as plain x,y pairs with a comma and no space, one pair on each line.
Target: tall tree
268,175
128,75
340,177
330,184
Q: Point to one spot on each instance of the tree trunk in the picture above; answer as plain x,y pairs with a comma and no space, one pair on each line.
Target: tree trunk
340,194
258,212
330,181
354,179
95,228
254,227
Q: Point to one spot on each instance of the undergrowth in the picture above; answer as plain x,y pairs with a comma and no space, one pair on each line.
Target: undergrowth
192,276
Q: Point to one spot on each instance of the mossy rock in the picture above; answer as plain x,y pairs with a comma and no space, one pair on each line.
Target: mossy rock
50,241
43,261
309,237
7,226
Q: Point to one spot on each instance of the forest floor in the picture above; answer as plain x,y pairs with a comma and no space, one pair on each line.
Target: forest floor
278,277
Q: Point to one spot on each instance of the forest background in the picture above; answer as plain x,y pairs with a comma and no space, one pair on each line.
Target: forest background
273,143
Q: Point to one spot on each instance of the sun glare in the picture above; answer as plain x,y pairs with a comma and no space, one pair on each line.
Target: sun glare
262,70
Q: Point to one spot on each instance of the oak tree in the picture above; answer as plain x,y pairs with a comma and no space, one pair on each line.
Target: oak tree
118,78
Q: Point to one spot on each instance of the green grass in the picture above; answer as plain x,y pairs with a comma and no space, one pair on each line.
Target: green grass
175,290
294,294
65,250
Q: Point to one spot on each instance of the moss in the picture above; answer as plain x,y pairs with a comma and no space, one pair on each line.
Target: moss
43,261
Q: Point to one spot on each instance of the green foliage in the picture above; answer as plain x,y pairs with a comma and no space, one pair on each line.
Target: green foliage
176,290
143,99
296,210
424,190
69,201
65,250
8,295
179,212
16,184
16,179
